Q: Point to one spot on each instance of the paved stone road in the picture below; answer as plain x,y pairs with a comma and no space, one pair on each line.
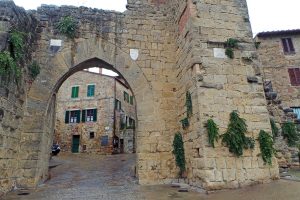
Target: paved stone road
112,178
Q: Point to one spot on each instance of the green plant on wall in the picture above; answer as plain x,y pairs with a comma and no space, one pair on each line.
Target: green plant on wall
289,132
16,39
266,146
178,151
8,65
189,105
275,130
34,69
185,123
213,132
234,138
230,45
67,26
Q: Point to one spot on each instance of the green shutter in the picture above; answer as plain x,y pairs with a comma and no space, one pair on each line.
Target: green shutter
78,116
83,116
91,90
95,115
131,100
75,91
67,116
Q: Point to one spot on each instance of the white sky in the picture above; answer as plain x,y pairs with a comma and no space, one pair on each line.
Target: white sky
265,15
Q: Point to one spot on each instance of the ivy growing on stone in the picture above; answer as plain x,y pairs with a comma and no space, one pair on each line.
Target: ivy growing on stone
234,138
178,151
275,130
266,146
230,45
289,132
185,123
213,132
8,65
16,39
67,26
189,105
34,69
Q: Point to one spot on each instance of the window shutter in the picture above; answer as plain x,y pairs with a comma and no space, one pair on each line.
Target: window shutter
67,117
120,105
83,116
78,116
73,92
93,90
285,45
131,100
95,115
124,96
77,92
291,45
292,76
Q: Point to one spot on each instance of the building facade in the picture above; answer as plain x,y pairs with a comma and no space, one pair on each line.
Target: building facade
87,117
279,54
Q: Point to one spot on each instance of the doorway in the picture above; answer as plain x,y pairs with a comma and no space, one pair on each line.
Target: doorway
75,143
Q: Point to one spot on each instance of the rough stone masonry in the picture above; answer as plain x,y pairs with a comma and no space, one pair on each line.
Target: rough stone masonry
181,48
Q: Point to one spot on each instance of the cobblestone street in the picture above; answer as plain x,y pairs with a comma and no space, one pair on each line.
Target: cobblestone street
85,176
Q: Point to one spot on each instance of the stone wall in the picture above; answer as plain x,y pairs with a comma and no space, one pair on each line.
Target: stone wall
181,48
282,95
13,98
220,85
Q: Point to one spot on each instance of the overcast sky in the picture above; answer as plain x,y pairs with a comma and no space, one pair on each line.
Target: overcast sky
265,15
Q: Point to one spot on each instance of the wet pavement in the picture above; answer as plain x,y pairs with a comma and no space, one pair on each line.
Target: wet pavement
85,176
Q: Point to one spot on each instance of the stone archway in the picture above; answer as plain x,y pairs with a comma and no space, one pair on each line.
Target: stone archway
40,105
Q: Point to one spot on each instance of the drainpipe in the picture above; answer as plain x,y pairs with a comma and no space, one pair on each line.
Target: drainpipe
114,107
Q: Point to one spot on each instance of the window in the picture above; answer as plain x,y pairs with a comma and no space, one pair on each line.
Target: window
104,140
72,116
75,91
131,100
294,74
92,135
296,110
126,97
118,105
288,47
89,115
131,123
91,90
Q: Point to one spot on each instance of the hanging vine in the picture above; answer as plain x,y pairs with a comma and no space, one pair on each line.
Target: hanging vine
185,123
266,146
178,151
189,110
234,138
275,130
289,132
34,69
213,132
189,105
8,65
16,40
230,45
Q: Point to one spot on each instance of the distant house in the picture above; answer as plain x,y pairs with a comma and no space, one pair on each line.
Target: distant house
95,113
279,54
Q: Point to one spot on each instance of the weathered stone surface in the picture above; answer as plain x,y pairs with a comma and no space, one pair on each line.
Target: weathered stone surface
169,54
